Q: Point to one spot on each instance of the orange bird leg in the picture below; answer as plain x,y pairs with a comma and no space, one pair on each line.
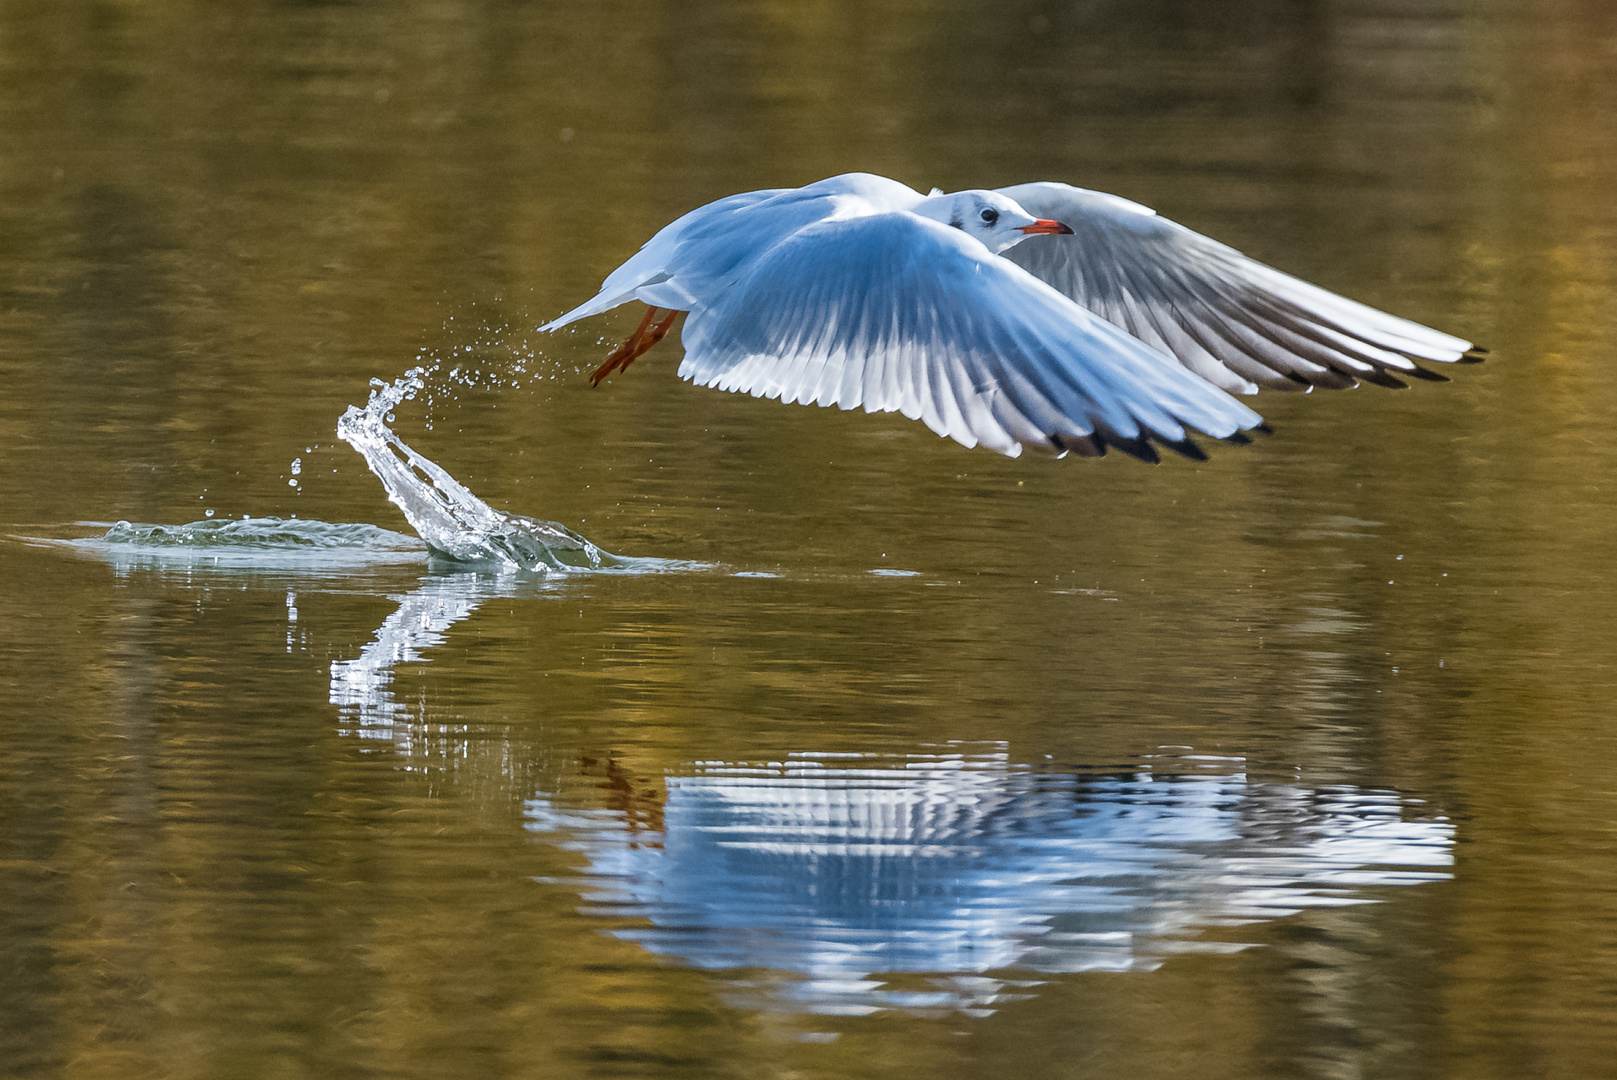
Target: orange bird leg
647,334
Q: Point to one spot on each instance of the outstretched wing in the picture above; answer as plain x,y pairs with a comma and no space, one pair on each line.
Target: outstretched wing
680,266
1230,319
893,312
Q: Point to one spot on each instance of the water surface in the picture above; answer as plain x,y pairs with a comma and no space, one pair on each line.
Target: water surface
847,752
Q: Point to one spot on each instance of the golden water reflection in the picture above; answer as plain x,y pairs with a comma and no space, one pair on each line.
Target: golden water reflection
219,222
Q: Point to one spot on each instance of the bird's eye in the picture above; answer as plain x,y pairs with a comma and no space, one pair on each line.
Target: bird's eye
990,216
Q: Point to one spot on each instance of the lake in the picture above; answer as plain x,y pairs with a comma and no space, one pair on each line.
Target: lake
834,749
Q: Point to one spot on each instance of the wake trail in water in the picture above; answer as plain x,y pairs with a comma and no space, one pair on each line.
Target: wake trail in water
454,525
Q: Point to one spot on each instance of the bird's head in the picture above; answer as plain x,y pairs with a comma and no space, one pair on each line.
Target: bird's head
997,221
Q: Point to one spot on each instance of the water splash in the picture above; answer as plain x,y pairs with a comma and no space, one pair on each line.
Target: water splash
266,533
455,523
485,351
243,545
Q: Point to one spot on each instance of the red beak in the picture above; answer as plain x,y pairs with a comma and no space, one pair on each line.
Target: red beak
1045,225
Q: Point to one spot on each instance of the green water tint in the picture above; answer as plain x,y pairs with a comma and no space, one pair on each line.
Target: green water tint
267,533
247,545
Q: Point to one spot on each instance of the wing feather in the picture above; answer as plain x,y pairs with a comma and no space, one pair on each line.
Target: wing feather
1230,319
892,312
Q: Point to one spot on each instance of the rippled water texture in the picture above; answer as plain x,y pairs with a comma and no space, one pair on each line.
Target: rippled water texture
377,698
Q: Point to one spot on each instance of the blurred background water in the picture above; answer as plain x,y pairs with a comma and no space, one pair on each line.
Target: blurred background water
907,760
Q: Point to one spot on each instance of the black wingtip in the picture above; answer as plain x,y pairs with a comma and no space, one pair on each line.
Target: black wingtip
1428,375
1185,448
1262,429
1082,445
1143,448
1476,354
1381,378
1138,448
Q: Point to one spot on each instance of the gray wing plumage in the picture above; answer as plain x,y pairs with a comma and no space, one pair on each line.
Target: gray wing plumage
893,312
1232,320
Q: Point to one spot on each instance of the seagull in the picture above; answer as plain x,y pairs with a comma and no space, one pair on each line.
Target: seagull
1041,317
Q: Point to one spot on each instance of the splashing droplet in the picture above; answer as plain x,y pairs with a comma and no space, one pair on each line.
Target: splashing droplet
455,523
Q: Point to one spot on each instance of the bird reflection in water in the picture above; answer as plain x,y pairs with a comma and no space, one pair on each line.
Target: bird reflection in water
840,883
833,869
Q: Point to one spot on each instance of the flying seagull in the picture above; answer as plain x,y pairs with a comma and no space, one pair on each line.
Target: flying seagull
1039,317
